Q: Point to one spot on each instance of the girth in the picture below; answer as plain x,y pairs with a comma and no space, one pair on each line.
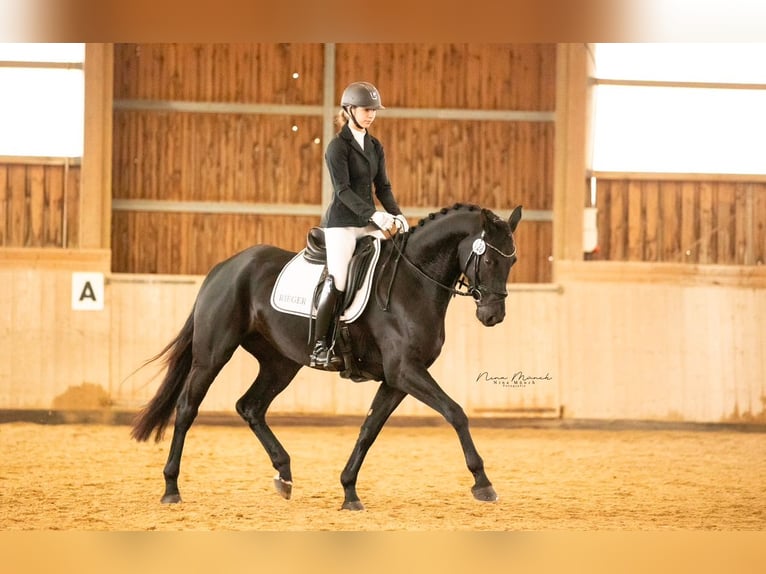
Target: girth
316,253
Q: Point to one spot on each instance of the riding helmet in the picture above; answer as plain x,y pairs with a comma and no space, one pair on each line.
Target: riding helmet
361,95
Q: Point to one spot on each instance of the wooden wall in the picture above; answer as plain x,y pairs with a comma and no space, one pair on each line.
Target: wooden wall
663,341
632,340
265,145
454,76
39,202
683,218
239,73
613,341
46,348
164,242
148,310
667,327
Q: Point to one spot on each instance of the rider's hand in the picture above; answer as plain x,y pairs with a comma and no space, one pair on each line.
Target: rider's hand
401,223
383,220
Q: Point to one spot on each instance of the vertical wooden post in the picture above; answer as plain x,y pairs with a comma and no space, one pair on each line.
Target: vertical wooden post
96,171
329,105
572,157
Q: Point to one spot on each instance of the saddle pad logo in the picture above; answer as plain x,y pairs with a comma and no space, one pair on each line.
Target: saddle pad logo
293,291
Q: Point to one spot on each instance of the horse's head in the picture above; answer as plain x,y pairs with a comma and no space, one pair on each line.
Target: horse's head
487,257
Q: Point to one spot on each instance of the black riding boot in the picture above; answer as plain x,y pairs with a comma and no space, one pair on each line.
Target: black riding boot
330,300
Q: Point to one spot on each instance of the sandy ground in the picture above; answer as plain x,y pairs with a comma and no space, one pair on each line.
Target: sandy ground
94,477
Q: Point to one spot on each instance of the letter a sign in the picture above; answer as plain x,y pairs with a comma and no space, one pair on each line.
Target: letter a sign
87,291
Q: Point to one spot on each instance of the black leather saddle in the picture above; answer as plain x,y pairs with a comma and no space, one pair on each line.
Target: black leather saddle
316,253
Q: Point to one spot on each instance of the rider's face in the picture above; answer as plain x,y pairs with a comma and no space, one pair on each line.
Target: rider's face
364,116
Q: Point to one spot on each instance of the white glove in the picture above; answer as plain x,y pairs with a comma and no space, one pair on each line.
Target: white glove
401,223
383,219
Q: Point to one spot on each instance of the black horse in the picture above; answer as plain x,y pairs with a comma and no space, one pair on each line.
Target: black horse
394,343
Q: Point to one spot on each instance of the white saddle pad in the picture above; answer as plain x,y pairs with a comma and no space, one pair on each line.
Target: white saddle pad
293,292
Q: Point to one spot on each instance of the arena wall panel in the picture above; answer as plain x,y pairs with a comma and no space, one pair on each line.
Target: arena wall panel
194,242
437,163
663,341
237,73
534,241
47,348
721,220
476,366
217,157
612,341
39,202
259,155
465,76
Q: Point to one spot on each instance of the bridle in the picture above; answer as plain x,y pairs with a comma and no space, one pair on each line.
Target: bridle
474,288
478,290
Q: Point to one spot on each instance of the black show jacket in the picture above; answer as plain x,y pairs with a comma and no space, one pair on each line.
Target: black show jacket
353,172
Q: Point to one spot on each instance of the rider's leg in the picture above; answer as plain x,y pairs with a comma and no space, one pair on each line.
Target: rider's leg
340,243
327,308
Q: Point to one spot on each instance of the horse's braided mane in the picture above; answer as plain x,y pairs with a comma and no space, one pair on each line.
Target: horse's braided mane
444,211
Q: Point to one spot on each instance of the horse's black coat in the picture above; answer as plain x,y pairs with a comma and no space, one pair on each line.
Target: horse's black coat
395,346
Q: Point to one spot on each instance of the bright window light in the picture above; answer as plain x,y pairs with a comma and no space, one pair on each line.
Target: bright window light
729,63
41,109
680,129
12,52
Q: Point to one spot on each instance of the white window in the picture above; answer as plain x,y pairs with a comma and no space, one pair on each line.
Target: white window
41,100
683,108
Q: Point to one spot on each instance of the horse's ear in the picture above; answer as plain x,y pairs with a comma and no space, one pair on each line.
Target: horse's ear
487,218
515,217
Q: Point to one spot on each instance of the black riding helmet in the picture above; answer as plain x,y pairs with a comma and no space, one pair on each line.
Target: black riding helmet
361,95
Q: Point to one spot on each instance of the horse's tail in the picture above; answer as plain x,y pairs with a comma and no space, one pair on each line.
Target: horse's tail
178,359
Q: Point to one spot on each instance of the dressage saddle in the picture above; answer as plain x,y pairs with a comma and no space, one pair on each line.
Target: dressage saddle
316,253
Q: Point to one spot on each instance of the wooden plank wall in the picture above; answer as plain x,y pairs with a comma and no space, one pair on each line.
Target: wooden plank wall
236,73
716,221
148,310
272,158
197,240
615,341
663,341
457,76
627,340
217,157
46,348
39,202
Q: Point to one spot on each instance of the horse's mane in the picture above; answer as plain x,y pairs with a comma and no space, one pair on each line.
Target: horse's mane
444,211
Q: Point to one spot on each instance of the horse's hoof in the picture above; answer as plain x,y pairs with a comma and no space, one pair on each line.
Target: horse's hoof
171,499
484,493
284,487
352,505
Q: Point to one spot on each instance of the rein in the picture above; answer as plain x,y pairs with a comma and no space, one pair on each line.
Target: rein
475,291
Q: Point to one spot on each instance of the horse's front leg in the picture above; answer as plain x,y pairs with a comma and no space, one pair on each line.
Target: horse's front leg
383,404
413,378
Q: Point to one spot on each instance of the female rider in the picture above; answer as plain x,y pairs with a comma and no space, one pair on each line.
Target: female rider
356,163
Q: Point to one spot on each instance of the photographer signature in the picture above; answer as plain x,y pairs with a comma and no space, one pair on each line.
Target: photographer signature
518,379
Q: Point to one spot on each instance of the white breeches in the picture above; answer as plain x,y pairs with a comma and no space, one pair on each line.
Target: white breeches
340,243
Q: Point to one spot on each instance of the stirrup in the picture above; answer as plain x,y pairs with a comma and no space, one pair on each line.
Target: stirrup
322,356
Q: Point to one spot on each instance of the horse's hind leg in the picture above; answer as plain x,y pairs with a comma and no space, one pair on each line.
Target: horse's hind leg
385,402
275,373
197,384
